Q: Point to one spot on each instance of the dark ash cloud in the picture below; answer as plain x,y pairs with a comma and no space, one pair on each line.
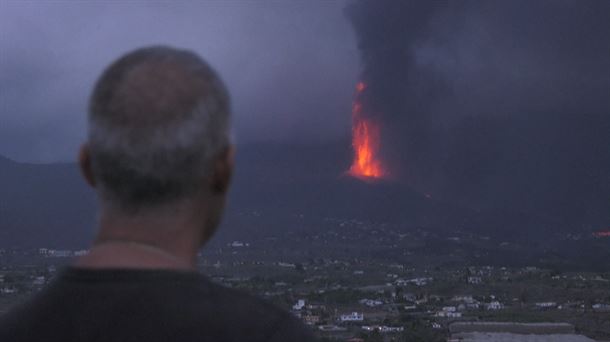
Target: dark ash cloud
500,104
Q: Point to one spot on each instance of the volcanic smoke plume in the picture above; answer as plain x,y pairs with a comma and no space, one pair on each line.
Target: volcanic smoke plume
494,104
387,99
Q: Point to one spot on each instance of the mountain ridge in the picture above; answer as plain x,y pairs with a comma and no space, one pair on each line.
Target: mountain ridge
49,204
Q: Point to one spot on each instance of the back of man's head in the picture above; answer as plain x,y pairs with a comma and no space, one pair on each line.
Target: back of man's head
158,117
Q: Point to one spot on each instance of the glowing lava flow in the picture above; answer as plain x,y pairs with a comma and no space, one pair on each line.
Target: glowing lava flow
365,140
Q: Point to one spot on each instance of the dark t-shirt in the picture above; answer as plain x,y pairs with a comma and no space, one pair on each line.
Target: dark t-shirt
117,305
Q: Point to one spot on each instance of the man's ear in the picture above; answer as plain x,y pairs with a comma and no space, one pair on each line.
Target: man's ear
84,162
223,171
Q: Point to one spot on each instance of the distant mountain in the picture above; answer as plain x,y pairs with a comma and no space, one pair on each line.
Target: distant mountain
50,205
44,204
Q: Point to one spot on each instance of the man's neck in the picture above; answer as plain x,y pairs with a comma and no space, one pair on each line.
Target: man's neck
150,242
132,255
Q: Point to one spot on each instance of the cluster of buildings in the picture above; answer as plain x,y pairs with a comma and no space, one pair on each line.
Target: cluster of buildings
342,321
61,253
381,308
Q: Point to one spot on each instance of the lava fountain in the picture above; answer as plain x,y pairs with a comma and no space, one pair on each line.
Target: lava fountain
365,141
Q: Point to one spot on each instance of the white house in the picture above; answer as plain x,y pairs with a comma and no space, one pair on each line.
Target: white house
423,281
8,290
352,317
39,281
495,305
474,280
237,244
81,252
382,328
546,305
601,307
386,329
59,253
453,314
299,305
370,302
466,299
449,312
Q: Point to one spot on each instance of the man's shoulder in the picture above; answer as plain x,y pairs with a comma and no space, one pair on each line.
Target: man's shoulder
235,302
250,316
154,306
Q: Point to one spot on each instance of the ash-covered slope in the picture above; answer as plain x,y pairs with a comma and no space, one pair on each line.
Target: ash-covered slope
291,180
49,205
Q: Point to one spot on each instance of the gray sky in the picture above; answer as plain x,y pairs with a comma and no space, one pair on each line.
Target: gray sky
290,66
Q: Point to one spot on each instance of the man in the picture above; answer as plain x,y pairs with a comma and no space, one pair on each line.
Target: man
159,156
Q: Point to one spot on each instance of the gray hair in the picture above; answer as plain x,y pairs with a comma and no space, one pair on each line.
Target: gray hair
158,117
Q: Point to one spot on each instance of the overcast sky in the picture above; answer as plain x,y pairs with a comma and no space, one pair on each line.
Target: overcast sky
290,66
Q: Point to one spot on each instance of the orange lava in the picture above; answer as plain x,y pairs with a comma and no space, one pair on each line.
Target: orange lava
365,141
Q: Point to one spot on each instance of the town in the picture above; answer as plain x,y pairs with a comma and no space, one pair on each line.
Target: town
364,299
